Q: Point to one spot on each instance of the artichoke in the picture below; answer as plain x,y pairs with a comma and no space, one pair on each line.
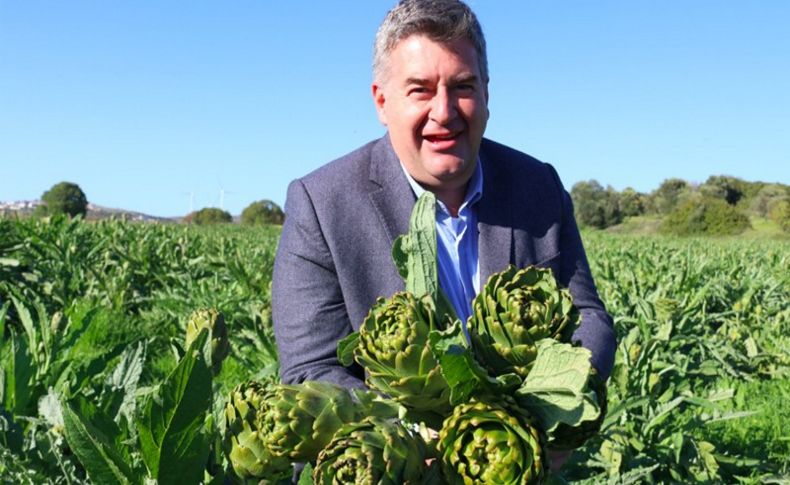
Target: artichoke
567,437
514,310
485,443
245,424
394,350
214,321
304,417
373,451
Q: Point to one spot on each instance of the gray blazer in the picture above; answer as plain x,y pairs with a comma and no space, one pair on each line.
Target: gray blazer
334,260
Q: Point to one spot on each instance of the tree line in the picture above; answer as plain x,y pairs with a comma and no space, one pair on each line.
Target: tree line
68,198
722,205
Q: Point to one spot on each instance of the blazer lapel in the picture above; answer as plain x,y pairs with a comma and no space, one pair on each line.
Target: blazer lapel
391,194
494,221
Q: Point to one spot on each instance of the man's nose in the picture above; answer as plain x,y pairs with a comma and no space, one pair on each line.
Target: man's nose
443,107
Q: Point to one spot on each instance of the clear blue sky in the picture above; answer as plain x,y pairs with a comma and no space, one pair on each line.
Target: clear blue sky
144,102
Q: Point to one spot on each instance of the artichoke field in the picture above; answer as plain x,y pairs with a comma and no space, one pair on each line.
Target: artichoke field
101,383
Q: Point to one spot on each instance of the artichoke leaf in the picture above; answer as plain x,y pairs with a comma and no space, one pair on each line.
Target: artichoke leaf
465,376
346,347
415,255
557,388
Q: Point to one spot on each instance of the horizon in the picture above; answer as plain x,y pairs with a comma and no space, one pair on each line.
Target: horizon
141,104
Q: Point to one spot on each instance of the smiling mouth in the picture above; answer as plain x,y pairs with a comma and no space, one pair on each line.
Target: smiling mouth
438,139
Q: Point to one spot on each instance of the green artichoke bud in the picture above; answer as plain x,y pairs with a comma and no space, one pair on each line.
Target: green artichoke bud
514,310
567,437
246,422
215,323
304,417
394,350
490,444
373,451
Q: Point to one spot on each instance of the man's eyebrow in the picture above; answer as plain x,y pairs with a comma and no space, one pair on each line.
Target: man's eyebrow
461,79
417,81
465,79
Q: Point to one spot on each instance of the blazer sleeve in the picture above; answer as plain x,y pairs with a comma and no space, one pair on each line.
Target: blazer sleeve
596,331
308,309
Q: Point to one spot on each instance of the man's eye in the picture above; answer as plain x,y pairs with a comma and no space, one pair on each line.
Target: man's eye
418,90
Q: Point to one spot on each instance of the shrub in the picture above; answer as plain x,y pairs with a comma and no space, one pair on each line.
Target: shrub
209,215
262,212
700,215
779,212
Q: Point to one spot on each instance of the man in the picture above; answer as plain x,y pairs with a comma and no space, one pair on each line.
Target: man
496,206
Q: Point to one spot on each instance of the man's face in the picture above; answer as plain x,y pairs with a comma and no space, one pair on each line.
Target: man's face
435,106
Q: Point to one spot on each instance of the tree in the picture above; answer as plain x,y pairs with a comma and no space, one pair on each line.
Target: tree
209,215
64,198
731,189
594,205
631,202
262,212
667,196
768,195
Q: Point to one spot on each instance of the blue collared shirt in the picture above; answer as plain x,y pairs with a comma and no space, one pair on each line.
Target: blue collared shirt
459,264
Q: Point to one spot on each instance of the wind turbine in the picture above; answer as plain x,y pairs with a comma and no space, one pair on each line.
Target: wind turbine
191,195
222,193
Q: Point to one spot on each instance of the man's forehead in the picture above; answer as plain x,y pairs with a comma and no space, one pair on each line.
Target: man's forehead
413,53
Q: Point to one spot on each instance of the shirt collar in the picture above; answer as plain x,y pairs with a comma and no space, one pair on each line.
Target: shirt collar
474,189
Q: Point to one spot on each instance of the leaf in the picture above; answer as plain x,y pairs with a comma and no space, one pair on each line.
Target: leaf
306,478
173,442
415,253
556,389
98,456
465,376
126,377
19,370
346,347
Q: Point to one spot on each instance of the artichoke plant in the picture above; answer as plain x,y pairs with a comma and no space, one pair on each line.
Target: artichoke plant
373,451
304,417
246,422
394,350
214,321
567,437
514,310
485,443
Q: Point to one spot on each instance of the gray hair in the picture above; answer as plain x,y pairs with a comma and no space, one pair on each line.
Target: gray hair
439,20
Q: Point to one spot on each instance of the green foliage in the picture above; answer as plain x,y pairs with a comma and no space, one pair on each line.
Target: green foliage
595,206
64,198
669,194
729,189
705,216
262,212
632,203
764,426
768,195
779,212
703,330
209,215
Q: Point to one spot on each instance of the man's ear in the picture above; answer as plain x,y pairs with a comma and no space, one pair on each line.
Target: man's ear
486,96
379,100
